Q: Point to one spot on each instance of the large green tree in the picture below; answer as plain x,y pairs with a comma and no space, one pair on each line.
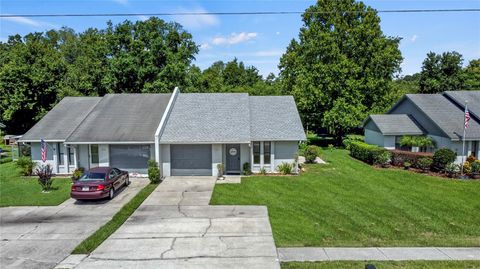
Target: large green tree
341,67
39,69
441,72
472,75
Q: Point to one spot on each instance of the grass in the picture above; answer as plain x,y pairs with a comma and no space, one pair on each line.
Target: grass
7,153
17,190
384,265
349,203
93,241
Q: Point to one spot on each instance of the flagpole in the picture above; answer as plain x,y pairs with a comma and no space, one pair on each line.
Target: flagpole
463,137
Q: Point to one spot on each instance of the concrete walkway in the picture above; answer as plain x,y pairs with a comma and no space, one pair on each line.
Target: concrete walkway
176,228
378,254
42,236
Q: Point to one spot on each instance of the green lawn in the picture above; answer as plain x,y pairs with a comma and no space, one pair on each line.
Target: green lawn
16,190
93,241
385,265
349,203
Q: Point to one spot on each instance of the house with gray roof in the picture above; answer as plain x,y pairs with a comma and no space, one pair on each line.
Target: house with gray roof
439,116
186,133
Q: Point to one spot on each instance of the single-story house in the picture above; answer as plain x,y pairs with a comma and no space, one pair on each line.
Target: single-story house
439,116
186,133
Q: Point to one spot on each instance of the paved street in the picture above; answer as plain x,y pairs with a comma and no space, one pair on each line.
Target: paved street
176,228
41,237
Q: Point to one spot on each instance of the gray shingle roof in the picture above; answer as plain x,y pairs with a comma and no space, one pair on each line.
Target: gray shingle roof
395,124
59,123
473,98
275,118
122,118
208,118
446,115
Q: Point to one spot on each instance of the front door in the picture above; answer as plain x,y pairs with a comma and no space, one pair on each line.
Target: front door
233,159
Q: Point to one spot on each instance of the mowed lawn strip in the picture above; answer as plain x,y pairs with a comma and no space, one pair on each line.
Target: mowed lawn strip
17,190
92,242
384,265
349,203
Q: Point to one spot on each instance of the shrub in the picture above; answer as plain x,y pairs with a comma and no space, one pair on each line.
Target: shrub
153,172
382,158
399,157
442,157
331,147
44,174
476,167
221,169
301,148
365,152
452,169
5,160
78,173
263,171
351,138
285,168
424,163
471,159
417,141
311,153
247,169
26,164
407,165
467,168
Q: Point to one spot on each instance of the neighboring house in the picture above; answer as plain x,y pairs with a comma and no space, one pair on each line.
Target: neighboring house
439,116
186,133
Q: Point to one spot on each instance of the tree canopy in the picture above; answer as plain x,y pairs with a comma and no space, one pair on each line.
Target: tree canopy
341,67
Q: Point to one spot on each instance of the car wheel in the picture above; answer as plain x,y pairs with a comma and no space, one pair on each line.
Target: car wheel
111,193
127,181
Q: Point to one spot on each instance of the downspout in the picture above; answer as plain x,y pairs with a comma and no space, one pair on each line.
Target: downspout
161,126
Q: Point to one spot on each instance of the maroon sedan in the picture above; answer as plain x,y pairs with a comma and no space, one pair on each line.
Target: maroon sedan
99,182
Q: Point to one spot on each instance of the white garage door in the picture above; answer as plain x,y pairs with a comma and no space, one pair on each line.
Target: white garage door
191,160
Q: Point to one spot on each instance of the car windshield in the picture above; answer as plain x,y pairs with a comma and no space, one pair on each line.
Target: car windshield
88,176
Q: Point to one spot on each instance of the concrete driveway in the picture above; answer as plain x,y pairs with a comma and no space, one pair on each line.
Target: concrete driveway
176,228
41,237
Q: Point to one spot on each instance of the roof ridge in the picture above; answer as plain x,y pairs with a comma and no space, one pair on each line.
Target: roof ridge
86,116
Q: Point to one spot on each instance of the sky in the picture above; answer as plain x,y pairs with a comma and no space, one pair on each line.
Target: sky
260,40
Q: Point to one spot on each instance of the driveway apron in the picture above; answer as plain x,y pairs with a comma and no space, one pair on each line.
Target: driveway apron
176,228
42,236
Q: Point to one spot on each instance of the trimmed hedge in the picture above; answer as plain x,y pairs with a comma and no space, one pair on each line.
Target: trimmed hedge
399,157
442,157
351,138
370,154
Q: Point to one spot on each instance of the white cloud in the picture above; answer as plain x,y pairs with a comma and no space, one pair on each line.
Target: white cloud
142,17
205,46
195,21
269,53
233,38
413,38
121,2
277,33
30,22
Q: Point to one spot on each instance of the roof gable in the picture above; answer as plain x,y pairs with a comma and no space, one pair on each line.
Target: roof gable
473,98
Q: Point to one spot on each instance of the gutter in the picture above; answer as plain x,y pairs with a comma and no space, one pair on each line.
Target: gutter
163,122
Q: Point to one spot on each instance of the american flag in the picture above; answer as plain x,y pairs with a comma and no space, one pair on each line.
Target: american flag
467,117
43,148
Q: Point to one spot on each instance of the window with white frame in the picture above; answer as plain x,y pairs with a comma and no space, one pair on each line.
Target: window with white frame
266,152
61,152
256,152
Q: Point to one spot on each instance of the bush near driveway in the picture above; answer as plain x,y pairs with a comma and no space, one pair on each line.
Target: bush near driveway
350,203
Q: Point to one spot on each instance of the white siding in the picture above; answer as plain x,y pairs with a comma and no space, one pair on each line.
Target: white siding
165,159
217,157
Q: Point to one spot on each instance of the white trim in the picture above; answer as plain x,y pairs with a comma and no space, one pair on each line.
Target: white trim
162,123
111,142
35,141
203,142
